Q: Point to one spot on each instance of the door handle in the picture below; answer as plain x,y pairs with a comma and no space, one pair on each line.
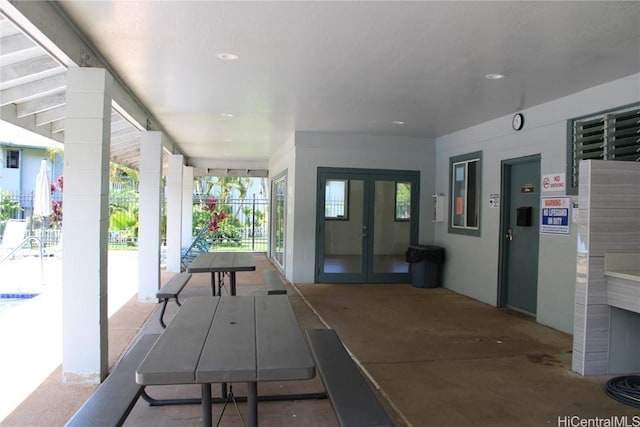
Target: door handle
509,234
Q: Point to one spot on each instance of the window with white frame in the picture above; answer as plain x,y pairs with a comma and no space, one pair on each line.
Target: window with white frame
608,135
465,178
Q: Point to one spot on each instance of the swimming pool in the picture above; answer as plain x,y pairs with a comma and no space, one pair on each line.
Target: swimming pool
8,300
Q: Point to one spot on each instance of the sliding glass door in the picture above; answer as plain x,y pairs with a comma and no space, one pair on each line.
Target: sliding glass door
366,220
278,216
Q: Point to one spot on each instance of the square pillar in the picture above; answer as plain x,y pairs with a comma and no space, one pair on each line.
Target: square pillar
187,206
150,213
174,212
85,225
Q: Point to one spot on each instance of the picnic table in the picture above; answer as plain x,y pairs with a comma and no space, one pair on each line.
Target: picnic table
221,263
229,339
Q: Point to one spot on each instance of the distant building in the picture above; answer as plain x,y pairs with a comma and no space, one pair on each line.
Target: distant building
20,156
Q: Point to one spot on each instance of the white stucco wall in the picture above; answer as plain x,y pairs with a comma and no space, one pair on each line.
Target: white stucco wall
472,262
313,150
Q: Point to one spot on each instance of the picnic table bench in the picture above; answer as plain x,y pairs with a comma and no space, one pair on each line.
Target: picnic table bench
273,282
171,290
351,397
115,397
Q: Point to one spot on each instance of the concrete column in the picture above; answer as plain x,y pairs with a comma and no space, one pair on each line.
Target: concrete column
86,221
187,206
150,214
174,212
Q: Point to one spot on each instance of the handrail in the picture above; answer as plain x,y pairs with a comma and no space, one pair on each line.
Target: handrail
194,242
20,247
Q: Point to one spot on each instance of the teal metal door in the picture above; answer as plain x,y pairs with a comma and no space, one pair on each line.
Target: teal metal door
520,228
365,223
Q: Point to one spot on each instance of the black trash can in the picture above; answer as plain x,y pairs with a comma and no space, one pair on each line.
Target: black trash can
425,265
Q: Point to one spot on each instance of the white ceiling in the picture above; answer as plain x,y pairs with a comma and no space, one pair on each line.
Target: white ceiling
350,66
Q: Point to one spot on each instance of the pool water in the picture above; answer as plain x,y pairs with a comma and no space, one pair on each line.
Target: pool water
8,300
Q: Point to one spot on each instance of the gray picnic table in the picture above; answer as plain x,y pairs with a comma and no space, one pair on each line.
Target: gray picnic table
229,339
221,263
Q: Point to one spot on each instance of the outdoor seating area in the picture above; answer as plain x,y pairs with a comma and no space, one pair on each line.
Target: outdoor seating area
428,357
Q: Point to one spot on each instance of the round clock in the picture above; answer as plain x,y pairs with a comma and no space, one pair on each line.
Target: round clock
518,121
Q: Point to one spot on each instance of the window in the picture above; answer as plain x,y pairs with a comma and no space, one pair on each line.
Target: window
403,201
465,174
336,195
13,159
610,135
278,220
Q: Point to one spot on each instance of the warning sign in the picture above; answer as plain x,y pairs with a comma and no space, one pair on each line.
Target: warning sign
554,218
554,182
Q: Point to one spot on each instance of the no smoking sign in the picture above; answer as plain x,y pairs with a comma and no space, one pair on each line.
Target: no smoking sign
554,182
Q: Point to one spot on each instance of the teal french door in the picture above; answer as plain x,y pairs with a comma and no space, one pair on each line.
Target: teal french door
366,219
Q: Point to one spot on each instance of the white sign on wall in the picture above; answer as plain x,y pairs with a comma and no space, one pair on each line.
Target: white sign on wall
494,200
554,182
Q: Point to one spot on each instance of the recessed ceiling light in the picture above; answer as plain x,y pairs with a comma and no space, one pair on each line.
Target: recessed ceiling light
397,122
226,115
228,56
494,76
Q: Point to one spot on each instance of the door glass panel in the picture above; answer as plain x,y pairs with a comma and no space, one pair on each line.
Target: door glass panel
279,192
336,204
392,232
343,226
403,201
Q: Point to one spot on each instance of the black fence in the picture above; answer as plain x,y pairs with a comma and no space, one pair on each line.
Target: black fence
244,228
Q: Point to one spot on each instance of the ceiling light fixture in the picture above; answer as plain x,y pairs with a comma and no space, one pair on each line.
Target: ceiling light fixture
227,56
494,76
226,115
397,122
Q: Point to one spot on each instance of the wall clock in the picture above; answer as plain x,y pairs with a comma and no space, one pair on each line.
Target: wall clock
518,121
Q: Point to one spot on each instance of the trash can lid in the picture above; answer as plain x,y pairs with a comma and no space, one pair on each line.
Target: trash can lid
418,253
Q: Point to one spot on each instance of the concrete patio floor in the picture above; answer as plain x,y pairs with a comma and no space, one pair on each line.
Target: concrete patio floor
435,358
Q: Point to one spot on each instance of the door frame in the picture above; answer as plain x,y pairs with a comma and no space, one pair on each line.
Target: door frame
367,175
505,203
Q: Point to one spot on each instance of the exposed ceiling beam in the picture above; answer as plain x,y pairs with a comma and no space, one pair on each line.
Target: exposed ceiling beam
8,113
16,45
26,71
41,104
51,115
45,23
57,126
33,89
121,132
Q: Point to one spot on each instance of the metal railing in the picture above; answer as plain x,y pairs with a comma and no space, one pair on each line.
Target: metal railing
246,227
17,248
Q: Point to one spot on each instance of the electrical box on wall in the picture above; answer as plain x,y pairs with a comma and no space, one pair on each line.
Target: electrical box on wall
438,207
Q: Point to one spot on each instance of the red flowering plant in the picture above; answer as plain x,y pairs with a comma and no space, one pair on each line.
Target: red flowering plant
217,215
56,205
219,223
